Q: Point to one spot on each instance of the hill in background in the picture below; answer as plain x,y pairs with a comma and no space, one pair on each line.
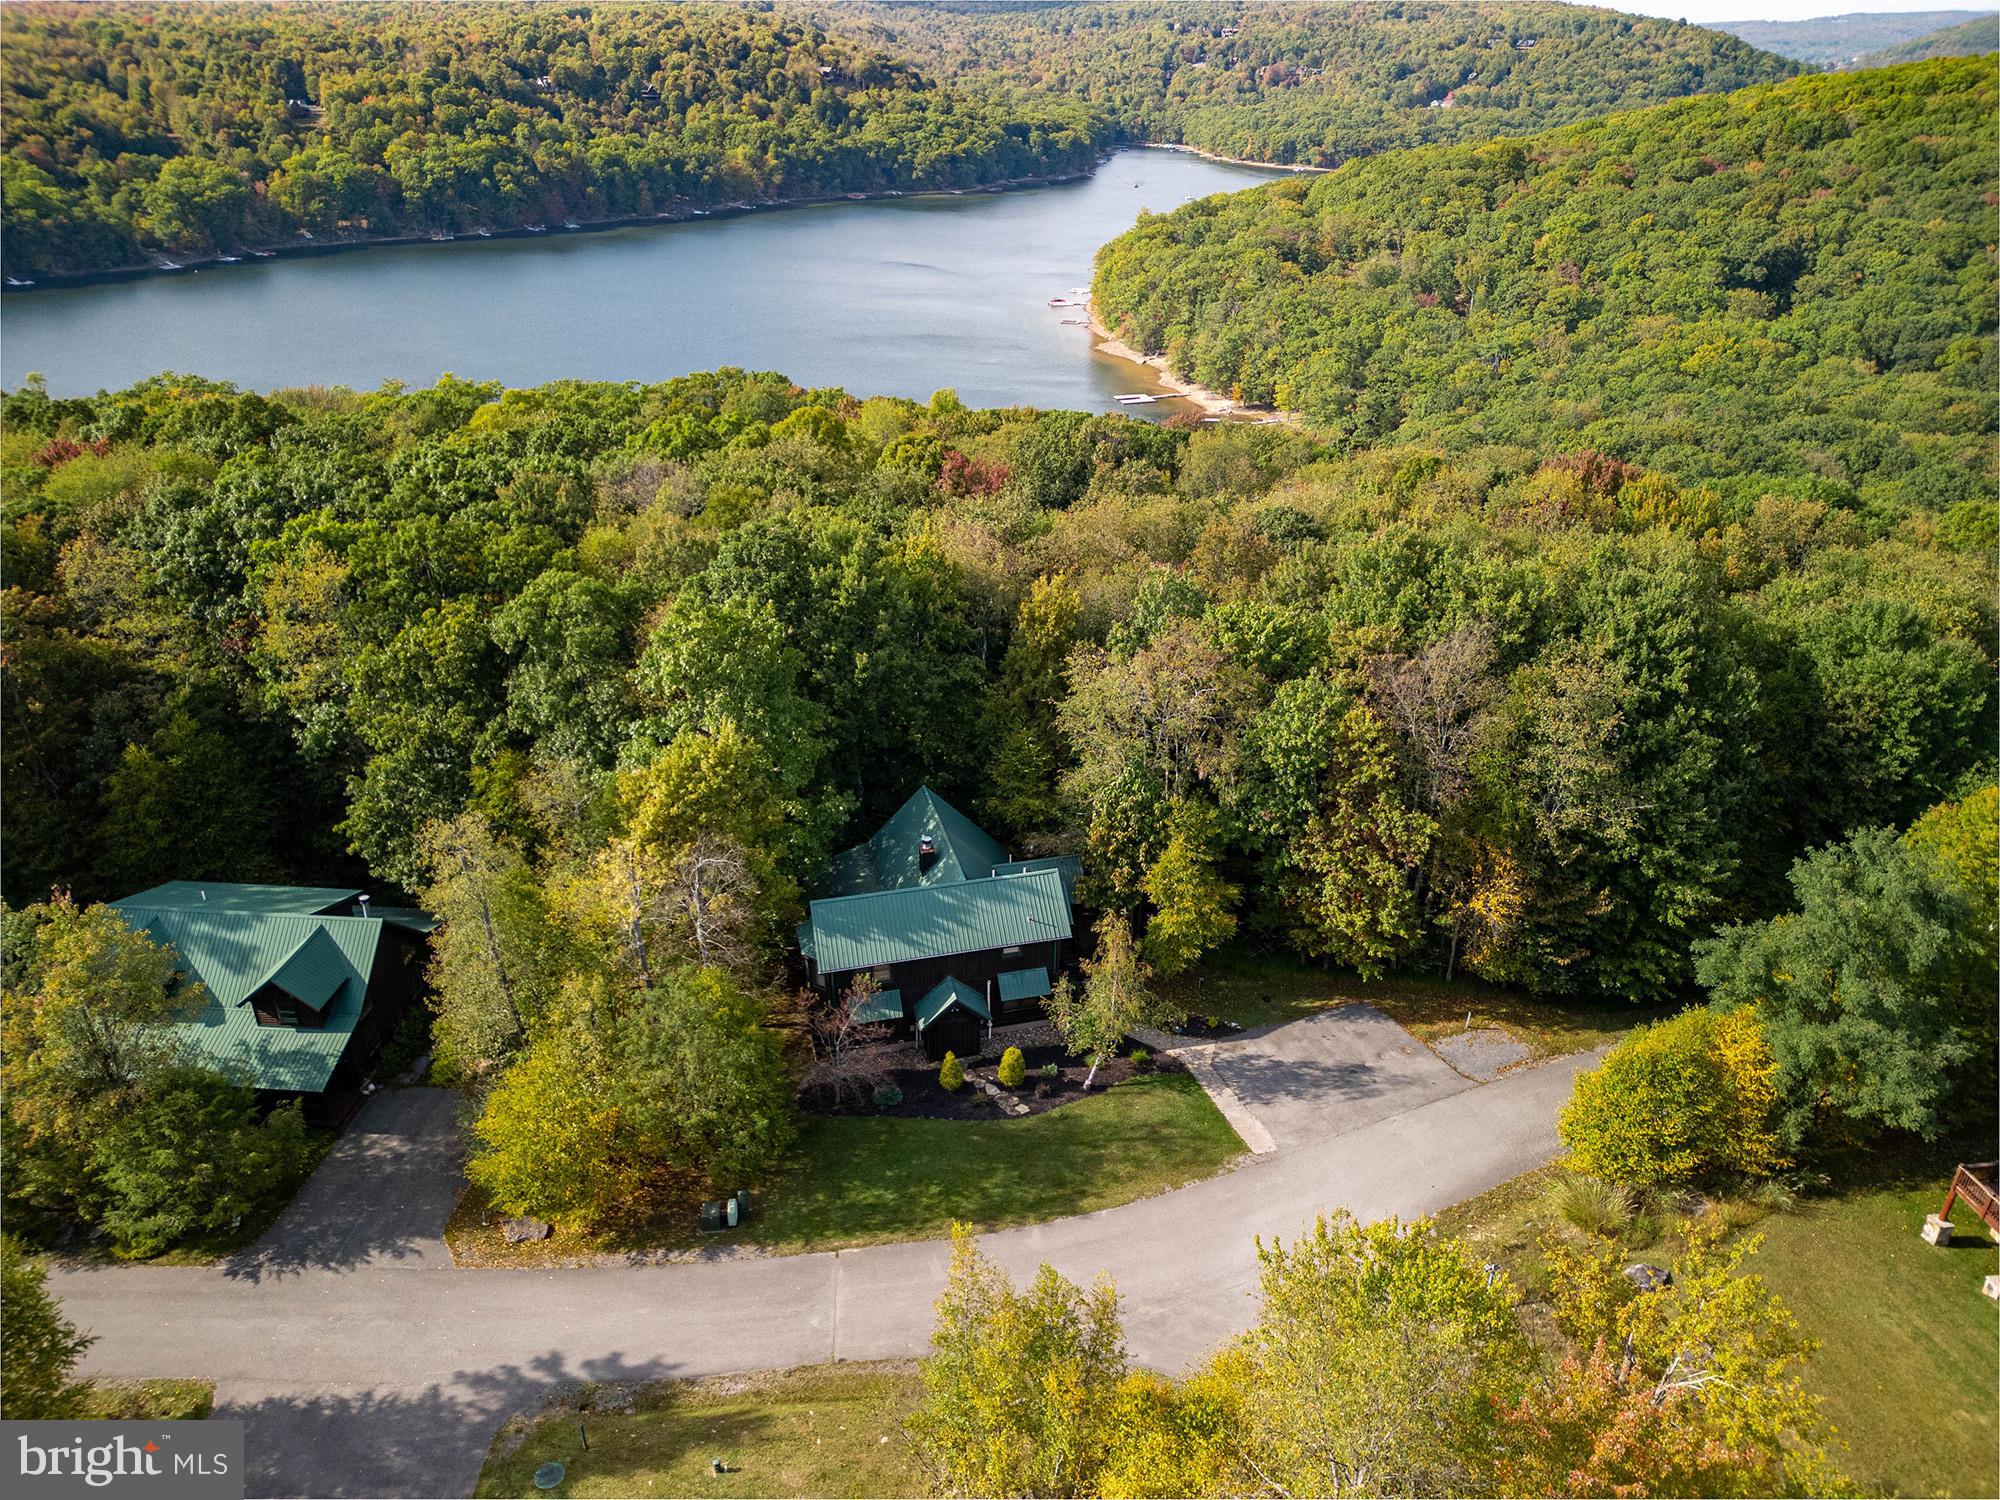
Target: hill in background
1318,84
1786,289
1844,41
1974,38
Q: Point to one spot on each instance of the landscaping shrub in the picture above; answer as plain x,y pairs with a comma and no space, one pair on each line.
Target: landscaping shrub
1591,1204
1680,1101
888,1096
1012,1068
951,1073
1142,1060
1051,1070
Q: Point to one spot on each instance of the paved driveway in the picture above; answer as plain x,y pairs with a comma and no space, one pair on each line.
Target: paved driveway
360,1374
381,1197
1330,1073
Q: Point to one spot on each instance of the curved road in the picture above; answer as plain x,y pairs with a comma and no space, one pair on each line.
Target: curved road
388,1376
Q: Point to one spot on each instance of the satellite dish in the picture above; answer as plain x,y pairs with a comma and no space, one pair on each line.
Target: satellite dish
548,1476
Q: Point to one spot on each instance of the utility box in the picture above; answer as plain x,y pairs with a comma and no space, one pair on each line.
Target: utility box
1937,1230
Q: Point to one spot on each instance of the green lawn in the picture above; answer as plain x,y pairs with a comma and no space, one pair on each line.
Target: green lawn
825,1430
148,1400
1259,990
863,1180
1906,1357
1906,1361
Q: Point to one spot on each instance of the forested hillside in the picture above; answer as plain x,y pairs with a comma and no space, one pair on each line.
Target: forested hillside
1533,713
134,130
1841,41
1974,38
1317,84
1784,290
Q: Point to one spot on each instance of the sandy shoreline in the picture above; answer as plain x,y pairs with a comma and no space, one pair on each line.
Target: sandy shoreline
1235,161
1213,403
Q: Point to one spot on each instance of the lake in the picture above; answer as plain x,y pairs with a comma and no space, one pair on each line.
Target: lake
896,296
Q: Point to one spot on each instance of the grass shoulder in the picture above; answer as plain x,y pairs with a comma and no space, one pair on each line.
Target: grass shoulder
1905,1358
1267,989
821,1430
148,1400
860,1180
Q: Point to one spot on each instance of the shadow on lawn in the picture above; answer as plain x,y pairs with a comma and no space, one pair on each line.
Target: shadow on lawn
427,1441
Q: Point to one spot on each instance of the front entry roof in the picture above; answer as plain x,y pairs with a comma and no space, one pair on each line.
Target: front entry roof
947,994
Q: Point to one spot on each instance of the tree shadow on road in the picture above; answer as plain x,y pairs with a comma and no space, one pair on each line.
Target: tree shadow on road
429,1440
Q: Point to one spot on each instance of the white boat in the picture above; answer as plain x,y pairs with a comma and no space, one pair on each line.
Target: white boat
1076,322
169,265
571,224
305,234
698,213
227,260
484,234
536,228
1135,399
263,254
15,281
441,235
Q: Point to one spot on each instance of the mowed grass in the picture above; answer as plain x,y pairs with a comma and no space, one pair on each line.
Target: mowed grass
868,1179
1260,990
863,1180
149,1400
1906,1360
824,1430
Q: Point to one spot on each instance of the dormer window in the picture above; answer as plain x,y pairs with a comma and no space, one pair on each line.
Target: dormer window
305,987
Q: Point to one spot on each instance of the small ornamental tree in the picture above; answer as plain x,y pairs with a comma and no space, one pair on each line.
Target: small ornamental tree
1678,1101
1013,1068
853,1058
1093,1020
951,1073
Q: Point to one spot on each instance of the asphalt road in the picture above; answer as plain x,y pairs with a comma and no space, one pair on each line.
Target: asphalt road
386,1374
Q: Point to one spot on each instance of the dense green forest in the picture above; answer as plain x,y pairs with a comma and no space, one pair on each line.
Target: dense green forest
1784,290
1317,84
1973,38
135,130
1534,713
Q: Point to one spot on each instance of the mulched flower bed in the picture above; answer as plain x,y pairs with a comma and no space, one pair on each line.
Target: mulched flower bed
925,1099
1207,1028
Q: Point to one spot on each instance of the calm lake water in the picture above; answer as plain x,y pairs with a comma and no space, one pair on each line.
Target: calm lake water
895,297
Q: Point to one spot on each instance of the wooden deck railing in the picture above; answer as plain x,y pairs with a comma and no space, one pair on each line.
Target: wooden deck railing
1978,1183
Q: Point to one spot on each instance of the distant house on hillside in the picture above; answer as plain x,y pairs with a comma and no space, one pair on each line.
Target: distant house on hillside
301,980
958,937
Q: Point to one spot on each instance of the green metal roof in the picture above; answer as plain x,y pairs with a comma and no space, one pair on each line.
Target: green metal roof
315,971
883,1005
949,993
236,951
1024,984
1068,866
891,860
220,895
937,921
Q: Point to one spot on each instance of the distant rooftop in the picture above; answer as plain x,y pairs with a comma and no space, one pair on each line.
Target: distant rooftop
222,895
